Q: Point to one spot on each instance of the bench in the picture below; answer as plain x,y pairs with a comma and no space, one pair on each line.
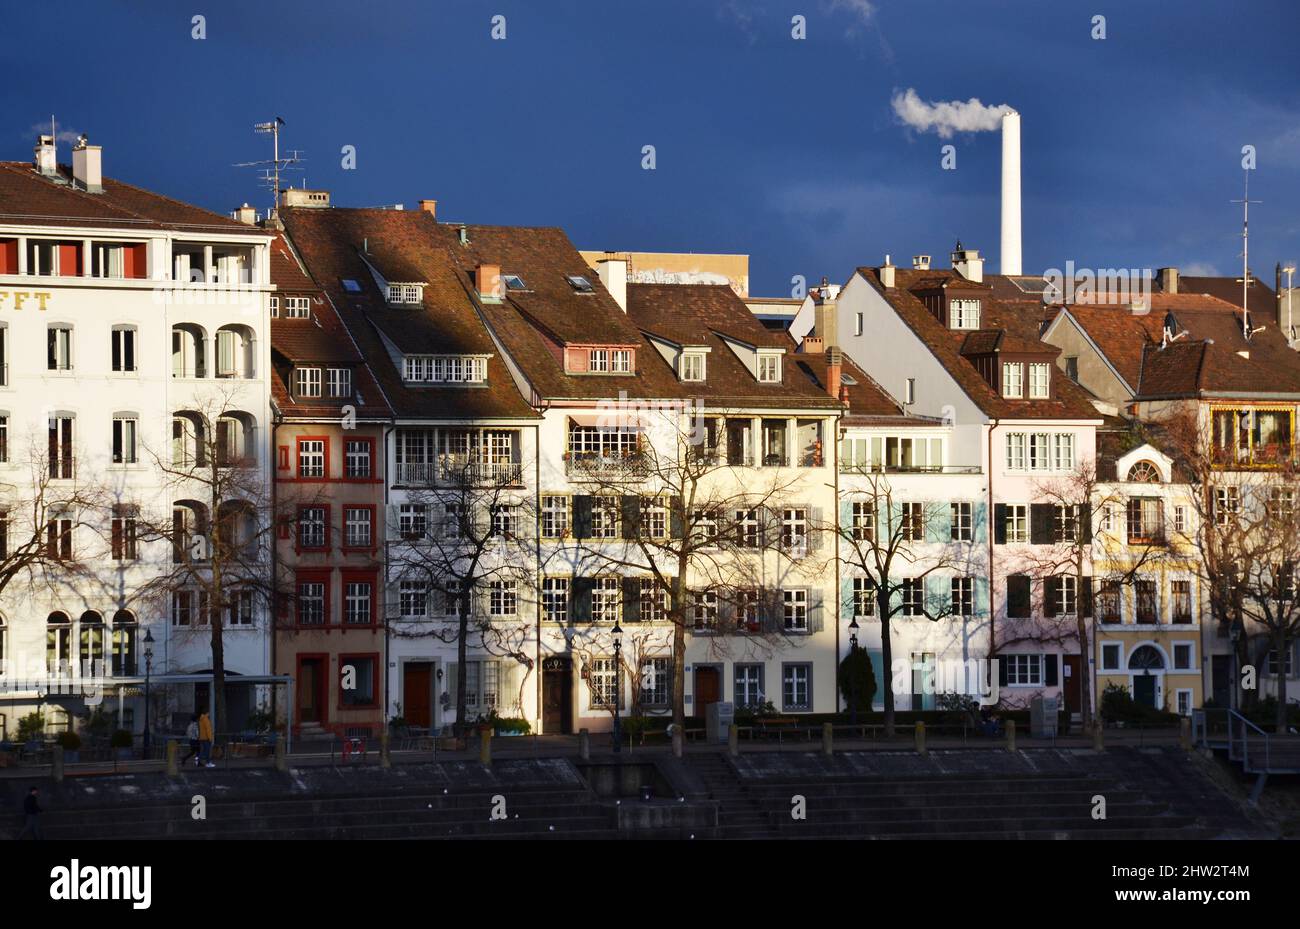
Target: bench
766,725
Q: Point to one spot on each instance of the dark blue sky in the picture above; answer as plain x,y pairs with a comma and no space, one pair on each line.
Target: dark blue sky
786,150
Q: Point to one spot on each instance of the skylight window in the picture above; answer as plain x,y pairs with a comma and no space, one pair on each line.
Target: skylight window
514,282
351,286
579,283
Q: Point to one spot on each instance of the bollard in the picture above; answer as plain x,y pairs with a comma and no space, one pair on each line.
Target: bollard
173,759
485,747
828,739
1185,733
281,760
1098,736
56,763
1011,735
584,744
733,740
679,741
920,738
385,756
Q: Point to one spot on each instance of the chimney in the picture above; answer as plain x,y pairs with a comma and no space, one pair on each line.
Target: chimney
613,274
834,360
246,215
44,156
86,162
487,281
812,345
887,274
824,316
301,196
1169,280
920,262
1277,295
1010,263
430,207
968,263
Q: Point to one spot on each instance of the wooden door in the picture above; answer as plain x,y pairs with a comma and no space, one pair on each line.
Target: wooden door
417,687
708,689
557,696
1073,684
1144,689
310,701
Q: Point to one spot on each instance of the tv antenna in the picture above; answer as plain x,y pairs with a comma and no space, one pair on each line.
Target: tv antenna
271,169
1245,202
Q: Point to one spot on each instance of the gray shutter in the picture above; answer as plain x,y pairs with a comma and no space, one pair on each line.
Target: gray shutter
580,599
1040,523
508,686
631,599
676,517
816,611
630,515
1000,523
582,516
1049,672
1085,522
1051,593
453,676
815,527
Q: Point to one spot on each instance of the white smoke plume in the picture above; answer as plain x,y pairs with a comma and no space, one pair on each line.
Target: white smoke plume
947,117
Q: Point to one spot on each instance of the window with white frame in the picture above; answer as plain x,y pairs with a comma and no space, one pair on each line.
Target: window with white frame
1110,656
405,294
505,520
412,520
58,342
123,349
704,610
1065,593
620,361
1180,518
1016,451
705,525
1182,656
4,438
1065,522
794,529
864,597
275,306
598,360
912,527
452,605
455,520
601,681
1180,601
413,599
795,601
1063,450
357,526
965,314
604,517
503,598
555,517
312,527
606,599
308,382
311,603
864,521
1017,523
749,685
358,597
961,522
912,591
653,601
444,369
1023,670
338,382
654,681
1184,700
356,458
963,596
555,599
749,528
125,428
769,369
692,366
796,687
311,457
1227,504
239,611
1012,379
297,307
1039,381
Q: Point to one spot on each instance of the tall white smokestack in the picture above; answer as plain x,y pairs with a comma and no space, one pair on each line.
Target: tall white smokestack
1011,193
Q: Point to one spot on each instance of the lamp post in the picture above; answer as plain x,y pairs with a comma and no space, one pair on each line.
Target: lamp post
1234,633
148,671
617,633
853,678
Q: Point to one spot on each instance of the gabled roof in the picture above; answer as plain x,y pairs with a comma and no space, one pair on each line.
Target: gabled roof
28,197
1021,323
1262,299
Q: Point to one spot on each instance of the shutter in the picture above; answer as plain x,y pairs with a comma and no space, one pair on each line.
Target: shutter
676,518
980,521
846,599
816,520
938,594
1040,523
769,527
727,611
453,677
771,611
630,515
508,685
1017,596
1002,672
938,525
668,593
816,611
1085,522
580,599
981,595
1051,594
1049,670
1000,523
582,516
631,599
846,519
1085,597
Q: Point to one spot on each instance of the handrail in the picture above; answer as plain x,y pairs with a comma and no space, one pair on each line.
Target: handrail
1238,735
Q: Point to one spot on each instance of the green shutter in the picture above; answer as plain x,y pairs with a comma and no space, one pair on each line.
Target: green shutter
980,516
938,527
938,594
846,599
981,596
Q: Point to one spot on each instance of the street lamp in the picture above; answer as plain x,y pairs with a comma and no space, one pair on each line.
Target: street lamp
148,670
617,633
853,679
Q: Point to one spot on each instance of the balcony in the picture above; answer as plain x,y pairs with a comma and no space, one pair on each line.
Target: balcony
457,470
860,467
631,465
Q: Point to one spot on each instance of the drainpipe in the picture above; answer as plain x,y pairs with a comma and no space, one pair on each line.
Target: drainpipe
277,421
537,543
383,718
989,531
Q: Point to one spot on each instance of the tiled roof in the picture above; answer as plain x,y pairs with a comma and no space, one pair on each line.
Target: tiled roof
1022,322
27,197
1263,302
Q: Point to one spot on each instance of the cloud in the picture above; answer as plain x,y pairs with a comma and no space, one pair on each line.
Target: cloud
1199,269
862,11
734,11
60,134
947,117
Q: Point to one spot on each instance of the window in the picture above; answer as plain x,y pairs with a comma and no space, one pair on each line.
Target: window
606,599
1147,605
1144,472
796,687
653,601
413,599
749,531
1039,451
653,518
357,526
620,361
692,366
1061,594
182,607
60,447
1182,657
338,382
654,681
579,283
357,455
311,457
455,521
1184,698
124,439
123,349
123,642
275,307
4,437
1016,451
794,529
1023,670
964,314
312,523
350,285
796,609
363,680
1017,523
452,604
555,599
769,369
912,590
124,529
704,610
4,536
1180,518
1072,367
91,636
857,324
1270,667
963,596
358,598
555,517
598,360
749,685
503,598
909,390
601,680
239,611
705,525
1012,379
1145,520
58,536
412,520
1227,504
961,527
864,521
58,343
308,382
1039,381
1065,523
864,597
451,369
1180,601
505,520
604,517
912,527
297,307
1110,656
1109,602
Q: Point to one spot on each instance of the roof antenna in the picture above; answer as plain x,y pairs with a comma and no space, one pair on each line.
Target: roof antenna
272,168
1245,202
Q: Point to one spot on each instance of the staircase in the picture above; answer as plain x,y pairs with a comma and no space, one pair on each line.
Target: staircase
739,816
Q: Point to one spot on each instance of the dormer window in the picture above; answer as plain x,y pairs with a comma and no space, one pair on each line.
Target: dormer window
297,307
513,282
338,382
1013,376
405,294
444,369
609,361
307,382
692,366
1039,381
964,314
579,283
769,369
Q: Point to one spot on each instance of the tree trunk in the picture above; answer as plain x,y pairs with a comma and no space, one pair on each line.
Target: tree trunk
679,646
886,659
1085,690
462,724
1279,649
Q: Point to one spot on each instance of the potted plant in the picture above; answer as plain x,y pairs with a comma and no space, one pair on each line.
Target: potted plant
71,743
31,728
121,742
510,725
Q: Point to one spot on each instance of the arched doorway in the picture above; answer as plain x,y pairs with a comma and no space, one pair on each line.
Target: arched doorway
1146,667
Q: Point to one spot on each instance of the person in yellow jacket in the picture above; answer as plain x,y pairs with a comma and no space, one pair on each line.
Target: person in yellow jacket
205,740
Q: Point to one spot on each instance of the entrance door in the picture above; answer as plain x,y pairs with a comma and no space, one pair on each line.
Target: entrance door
417,687
1144,689
557,696
311,698
1221,679
708,689
1073,684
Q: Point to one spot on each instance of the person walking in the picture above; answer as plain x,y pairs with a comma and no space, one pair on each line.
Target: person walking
205,740
192,733
32,812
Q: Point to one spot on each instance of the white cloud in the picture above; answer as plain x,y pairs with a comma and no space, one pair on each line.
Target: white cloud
1199,269
60,134
862,11
945,118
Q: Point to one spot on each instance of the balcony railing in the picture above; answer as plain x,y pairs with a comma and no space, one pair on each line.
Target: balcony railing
851,467
591,465
460,470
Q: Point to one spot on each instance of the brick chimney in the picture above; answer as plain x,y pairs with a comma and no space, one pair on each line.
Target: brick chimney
812,345
824,316
834,372
487,281
430,207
